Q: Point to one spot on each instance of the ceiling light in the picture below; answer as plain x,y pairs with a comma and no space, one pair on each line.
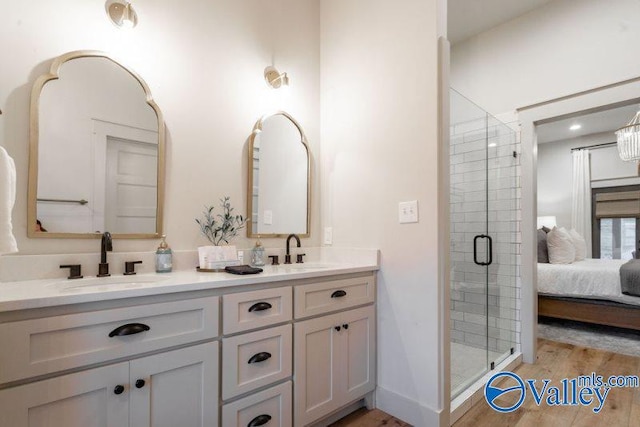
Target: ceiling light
629,140
274,78
121,13
575,127
493,144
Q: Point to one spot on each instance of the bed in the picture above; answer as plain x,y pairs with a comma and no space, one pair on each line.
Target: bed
587,291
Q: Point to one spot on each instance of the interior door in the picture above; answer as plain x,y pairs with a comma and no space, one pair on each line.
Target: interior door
85,399
176,388
131,186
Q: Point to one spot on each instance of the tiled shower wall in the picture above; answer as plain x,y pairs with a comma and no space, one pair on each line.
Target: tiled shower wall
472,144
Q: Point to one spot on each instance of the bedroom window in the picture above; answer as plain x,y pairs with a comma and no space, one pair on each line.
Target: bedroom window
617,238
615,221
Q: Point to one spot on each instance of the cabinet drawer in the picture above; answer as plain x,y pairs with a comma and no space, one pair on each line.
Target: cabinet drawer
251,310
271,407
51,344
255,359
326,297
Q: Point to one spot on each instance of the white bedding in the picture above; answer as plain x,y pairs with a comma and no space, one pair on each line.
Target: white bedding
591,278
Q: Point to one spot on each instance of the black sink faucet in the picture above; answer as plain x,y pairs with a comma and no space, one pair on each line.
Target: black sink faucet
106,245
287,256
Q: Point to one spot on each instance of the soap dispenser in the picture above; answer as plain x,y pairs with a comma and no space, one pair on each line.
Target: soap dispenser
164,255
257,254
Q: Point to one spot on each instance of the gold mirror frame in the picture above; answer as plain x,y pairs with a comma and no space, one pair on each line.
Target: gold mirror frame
34,134
303,139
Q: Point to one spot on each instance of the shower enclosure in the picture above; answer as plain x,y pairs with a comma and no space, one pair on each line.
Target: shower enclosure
484,202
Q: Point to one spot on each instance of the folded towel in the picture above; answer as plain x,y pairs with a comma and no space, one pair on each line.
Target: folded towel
7,200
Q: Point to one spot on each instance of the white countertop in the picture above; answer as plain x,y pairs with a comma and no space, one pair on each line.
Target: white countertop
31,294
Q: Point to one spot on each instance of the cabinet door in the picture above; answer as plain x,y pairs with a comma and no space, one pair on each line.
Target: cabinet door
180,388
84,399
358,357
315,351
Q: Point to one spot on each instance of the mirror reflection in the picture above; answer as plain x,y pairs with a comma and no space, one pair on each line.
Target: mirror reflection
98,142
279,171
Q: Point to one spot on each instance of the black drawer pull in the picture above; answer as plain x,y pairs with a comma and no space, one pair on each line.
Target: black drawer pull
338,294
129,329
346,326
337,328
119,389
260,306
140,383
260,420
260,357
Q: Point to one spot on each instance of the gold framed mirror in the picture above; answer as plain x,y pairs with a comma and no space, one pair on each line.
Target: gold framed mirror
97,151
279,183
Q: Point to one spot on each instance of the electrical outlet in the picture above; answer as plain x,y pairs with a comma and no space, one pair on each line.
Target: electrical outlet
328,235
408,212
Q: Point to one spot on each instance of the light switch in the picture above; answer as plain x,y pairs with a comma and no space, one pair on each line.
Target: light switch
267,217
408,212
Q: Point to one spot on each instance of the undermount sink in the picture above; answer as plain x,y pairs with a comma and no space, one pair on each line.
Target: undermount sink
305,266
96,283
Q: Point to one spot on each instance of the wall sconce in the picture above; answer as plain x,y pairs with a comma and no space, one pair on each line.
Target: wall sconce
274,78
121,13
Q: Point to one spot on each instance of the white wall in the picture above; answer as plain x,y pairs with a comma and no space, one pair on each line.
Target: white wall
555,169
562,48
204,63
380,147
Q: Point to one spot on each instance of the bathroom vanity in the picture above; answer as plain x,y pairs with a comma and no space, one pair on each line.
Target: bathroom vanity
287,347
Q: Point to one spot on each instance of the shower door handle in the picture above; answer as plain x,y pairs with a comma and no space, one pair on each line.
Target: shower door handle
489,250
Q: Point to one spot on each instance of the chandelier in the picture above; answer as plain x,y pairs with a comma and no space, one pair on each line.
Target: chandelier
629,140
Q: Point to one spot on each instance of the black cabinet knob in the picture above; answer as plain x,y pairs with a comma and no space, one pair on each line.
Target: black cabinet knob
346,326
140,383
337,328
119,389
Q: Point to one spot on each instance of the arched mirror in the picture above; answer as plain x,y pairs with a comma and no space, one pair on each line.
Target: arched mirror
97,150
279,192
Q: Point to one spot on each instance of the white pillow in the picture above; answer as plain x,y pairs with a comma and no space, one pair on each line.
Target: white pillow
579,243
560,245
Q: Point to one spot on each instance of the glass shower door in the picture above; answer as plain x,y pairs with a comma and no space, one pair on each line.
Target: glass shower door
484,220
469,243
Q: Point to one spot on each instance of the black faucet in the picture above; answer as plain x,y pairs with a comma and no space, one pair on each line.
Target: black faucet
287,256
106,245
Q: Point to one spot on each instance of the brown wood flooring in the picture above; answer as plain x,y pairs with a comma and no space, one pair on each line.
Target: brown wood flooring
557,361
369,418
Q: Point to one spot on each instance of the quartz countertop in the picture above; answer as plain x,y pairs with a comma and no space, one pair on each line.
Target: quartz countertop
30,294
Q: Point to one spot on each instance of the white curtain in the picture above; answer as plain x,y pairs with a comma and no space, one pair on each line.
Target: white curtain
581,196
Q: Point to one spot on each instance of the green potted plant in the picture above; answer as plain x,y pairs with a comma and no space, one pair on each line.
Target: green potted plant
219,229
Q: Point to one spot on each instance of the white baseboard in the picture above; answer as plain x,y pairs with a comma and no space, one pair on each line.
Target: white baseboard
408,410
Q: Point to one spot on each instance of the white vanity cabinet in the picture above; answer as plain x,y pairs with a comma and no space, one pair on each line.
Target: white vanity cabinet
257,358
175,388
334,362
281,353
142,380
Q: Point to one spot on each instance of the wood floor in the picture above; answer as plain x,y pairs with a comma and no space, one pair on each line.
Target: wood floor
366,418
557,361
